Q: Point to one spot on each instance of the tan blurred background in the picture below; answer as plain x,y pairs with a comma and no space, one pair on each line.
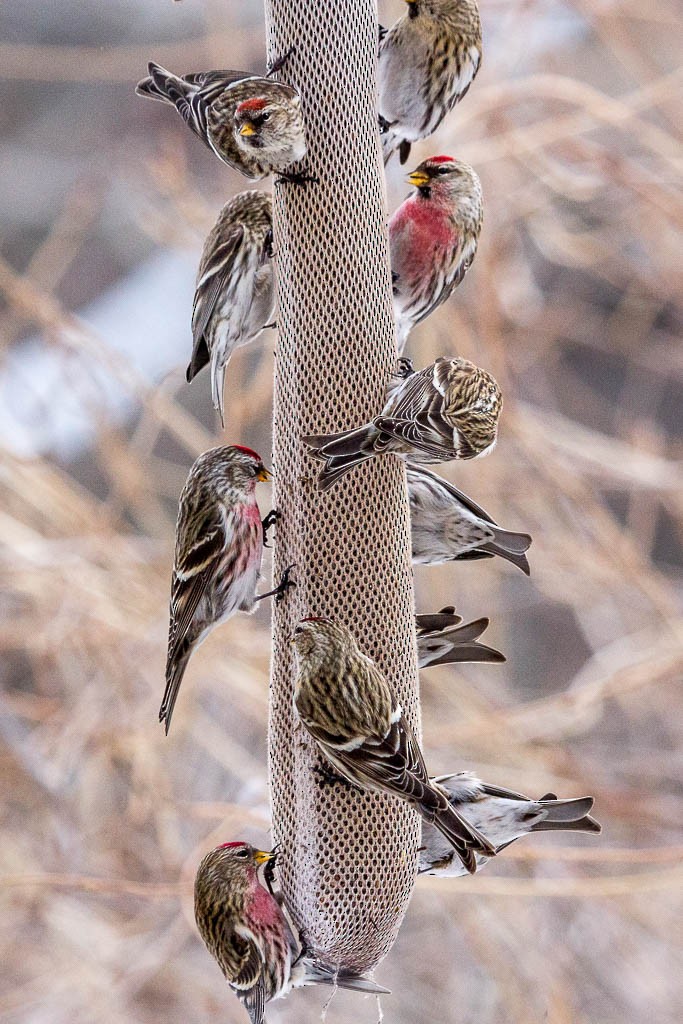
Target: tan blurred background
572,302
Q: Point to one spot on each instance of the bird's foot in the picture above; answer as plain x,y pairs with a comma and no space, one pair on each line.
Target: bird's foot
384,125
284,585
268,522
278,64
295,178
329,778
267,327
405,367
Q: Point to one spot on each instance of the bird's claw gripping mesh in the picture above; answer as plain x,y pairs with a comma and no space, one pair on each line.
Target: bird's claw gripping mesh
348,860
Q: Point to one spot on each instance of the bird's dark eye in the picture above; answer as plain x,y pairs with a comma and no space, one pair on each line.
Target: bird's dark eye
242,854
443,170
265,117
298,631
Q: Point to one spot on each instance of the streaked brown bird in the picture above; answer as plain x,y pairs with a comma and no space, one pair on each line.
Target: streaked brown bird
235,294
247,931
345,703
427,61
447,411
251,123
446,525
502,816
218,552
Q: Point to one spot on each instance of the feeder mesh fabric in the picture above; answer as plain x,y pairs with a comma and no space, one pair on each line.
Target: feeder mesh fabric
348,859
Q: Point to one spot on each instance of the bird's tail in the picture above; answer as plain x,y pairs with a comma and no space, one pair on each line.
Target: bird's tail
175,670
466,840
218,363
163,85
341,452
511,546
567,815
458,644
342,977
435,622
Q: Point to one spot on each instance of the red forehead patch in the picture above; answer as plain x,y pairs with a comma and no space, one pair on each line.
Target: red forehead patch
251,105
247,451
226,846
317,618
441,160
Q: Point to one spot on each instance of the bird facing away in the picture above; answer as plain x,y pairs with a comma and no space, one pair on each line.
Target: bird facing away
235,294
446,525
345,703
252,124
502,816
427,61
218,551
247,931
433,238
443,640
447,411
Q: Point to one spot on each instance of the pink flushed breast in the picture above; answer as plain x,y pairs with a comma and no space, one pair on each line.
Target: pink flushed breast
418,230
264,909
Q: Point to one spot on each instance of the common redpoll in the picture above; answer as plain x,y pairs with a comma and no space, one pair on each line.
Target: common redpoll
219,546
447,411
427,61
446,525
433,239
252,124
345,703
502,816
235,295
247,932
442,640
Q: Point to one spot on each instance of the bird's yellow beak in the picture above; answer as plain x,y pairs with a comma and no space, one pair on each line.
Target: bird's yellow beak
418,178
263,856
264,474
247,129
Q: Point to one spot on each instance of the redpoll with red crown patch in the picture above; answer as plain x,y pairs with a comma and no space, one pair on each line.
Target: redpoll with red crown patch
247,932
443,639
219,546
502,816
345,703
446,525
433,239
447,411
235,295
427,61
251,123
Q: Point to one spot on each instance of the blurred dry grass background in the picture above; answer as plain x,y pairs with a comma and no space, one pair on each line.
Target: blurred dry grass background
572,302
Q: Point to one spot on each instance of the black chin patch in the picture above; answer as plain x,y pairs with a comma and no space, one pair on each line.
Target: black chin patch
425,191
413,11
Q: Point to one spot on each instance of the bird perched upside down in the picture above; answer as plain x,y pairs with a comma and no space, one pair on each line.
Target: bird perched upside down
446,525
503,816
235,294
246,931
219,546
345,703
447,411
427,61
252,124
433,239
443,639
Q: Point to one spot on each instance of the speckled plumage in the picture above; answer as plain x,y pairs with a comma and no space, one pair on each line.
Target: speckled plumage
219,546
427,61
348,707
218,106
235,292
447,411
446,525
502,816
433,239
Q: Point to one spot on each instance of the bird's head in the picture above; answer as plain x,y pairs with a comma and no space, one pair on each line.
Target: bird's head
473,401
442,178
233,471
318,637
231,868
264,123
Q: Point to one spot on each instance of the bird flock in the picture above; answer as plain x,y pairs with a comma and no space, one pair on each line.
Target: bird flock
447,411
